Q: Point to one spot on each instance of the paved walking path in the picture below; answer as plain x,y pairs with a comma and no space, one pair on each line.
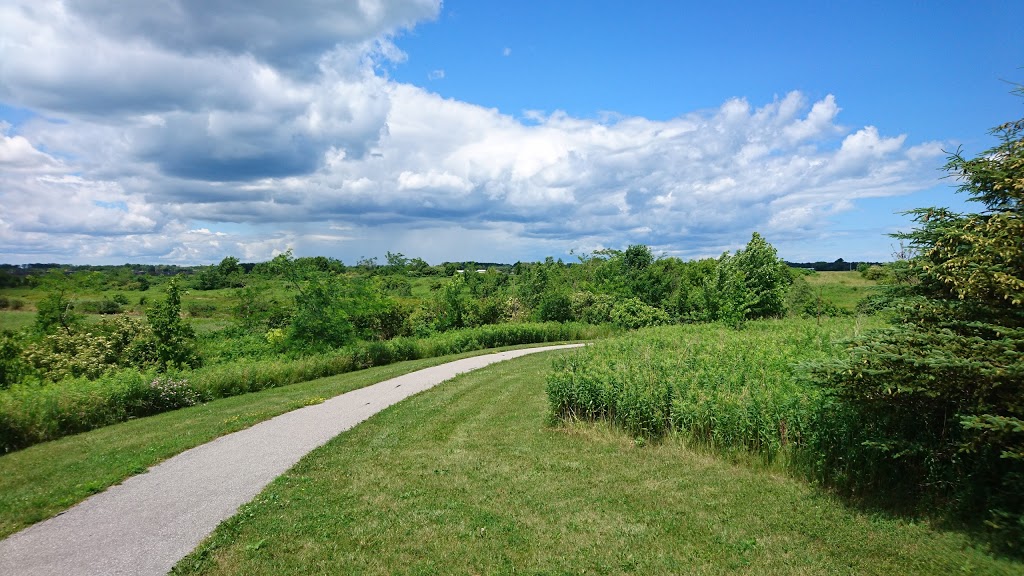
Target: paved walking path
147,523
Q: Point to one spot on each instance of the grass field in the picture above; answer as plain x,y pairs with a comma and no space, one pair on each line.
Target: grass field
844,289
16,319
472,478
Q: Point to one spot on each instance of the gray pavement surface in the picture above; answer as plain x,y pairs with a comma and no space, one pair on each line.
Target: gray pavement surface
150,521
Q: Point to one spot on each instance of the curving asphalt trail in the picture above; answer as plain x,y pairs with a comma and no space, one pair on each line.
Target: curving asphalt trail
150,521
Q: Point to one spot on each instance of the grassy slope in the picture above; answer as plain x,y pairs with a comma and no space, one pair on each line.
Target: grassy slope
470,478
40,481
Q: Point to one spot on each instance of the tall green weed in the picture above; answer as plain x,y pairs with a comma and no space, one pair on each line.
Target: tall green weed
727,388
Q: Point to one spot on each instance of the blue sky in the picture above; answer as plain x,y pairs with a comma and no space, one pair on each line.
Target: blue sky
487,131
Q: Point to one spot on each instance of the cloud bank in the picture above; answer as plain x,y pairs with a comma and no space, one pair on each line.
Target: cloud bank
207,129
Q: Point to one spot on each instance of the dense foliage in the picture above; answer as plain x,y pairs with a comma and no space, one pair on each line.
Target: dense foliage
938,398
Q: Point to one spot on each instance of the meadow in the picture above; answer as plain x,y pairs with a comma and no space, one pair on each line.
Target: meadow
844,289
716,386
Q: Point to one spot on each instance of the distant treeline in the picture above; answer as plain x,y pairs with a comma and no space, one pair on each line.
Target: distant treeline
15,275
839,265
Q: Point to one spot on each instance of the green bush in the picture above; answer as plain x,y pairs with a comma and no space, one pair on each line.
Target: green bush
173,339
201,309
105,306
555,307
89,353
592,308
12,367
877,273
632,313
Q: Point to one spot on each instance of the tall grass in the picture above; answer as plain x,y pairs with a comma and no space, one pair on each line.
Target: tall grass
727,388
30,414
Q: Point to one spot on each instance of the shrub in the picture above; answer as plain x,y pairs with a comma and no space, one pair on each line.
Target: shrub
11,303
166,393
592,308
877,273
632,313
12,367
111,344
201,309
555,307
105,306
71,355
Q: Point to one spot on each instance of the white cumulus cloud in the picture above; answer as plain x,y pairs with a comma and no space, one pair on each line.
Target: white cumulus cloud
212,128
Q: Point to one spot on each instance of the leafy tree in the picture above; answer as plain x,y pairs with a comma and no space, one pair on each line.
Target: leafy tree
397,262
229,267
637,258
450,305
374,315
723,293
418,266
173,338
56,310
938,399
228,274
320,318
765,278
318,263
255,307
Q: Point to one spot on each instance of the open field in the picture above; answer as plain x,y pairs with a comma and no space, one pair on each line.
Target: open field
16,319
472,478
844,289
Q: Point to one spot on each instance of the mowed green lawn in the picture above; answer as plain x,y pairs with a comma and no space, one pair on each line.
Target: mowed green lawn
472,478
